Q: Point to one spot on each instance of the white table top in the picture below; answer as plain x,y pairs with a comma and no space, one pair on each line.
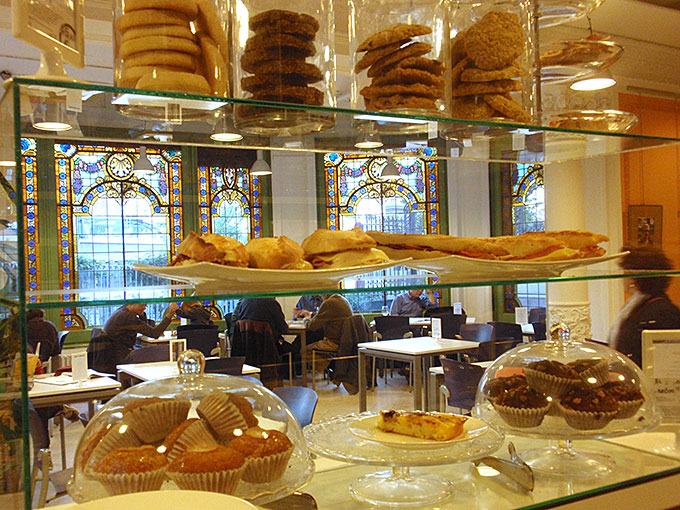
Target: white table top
158,369
419,321
528,329
420,345
165,337
440,370
297,325
51,386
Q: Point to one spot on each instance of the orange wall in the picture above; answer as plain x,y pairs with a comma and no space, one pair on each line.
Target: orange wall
652,177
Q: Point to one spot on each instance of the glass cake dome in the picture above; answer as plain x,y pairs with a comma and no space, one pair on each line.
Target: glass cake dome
153,435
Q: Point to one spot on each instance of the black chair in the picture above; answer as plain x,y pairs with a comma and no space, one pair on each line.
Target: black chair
506,330
189,327
460,383
438,311
62,337
102,355
476,332
203,339
150,354
255,341
228,366
451,324
391,327
539,330
491,349
302,401
537,315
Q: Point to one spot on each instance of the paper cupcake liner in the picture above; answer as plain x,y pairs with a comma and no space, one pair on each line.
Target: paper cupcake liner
112,441
523,418
549,384
131,482
266,469
216,481
628,408
599,372
586,420
222,416
196,434
553,410
153,422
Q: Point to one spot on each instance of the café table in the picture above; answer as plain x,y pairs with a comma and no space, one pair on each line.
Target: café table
420,351
133,373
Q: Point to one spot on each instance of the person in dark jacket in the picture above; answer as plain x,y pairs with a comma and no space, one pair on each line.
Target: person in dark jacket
195,313
43,332
648,308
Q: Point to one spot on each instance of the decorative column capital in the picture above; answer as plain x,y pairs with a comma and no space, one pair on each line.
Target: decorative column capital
575,315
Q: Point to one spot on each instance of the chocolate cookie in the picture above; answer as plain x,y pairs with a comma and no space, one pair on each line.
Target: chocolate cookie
252,60
290,66
488,87
393,34
402,76
471,108
495,40
372,56
415,49
425,64
267,19
303,95
508,107
274,41
474,74
260,81
415,89
401,102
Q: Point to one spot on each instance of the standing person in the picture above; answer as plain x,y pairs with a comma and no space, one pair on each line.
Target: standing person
648,308
128,321
413,303
195,313
306,306
39,330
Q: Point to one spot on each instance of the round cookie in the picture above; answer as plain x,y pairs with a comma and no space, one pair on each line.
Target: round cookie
260,81
132,74
143,16
187,7
251,60
173,81
275,16
471,108
300,30
158,43
458,69
271,42
393,34
425,64
400,102
152,30
408,76
416,49
414,89
508,107
495,40
303,95
162,58
208,22
372,56
214,67
486,87
290,66
474,74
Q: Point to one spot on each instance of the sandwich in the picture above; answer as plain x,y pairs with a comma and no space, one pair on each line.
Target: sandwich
327,249
213,248
536,248
276,253
400,246
583,241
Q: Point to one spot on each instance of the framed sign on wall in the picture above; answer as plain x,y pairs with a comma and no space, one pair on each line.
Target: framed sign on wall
645,223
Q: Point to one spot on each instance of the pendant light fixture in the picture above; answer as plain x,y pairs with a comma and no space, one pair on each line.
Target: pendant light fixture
390,170
50,117
602,80
143,164
260,167
225,131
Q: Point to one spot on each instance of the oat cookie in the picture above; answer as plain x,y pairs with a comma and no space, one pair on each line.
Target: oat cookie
415,49
402,76
487,87
276,16
458,52
425,64
508,107
393,34
304,95
252,60
143,16
290,66
372,56
173,81
260,81
152,30
401,102
474,74
495,40
213,66
274,41
187,7
162,58
415,89
158,43
458,69
471,108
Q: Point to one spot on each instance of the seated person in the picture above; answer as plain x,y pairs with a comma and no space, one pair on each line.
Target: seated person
333,311
195,313
39,330
130,320
306,306
413,303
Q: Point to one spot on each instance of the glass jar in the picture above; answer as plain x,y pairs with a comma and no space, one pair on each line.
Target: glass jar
172,46
398,52
492,57
287,55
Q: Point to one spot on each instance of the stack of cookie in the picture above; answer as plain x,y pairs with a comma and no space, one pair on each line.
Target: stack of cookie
275,58
172,45
401,77
485,67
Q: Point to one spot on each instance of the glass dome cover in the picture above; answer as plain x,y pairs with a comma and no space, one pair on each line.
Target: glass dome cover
113,427
578,390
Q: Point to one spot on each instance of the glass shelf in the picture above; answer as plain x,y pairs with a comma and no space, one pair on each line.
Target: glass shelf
102,119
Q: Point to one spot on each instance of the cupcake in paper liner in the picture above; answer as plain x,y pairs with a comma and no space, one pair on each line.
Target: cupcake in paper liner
225,414
551,377
152,418
629,398
522,407
494,388
594,372
189,434
107,439
213,469
586,409
128,470
267,453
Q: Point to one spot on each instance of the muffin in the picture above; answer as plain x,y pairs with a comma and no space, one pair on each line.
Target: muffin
188,434
594,372
496,387
551,377
587,409
215,469
225,413
105,440
267,452
137,469
522,407
628,396
152,418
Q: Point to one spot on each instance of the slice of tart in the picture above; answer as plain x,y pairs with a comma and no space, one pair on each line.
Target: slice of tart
435,426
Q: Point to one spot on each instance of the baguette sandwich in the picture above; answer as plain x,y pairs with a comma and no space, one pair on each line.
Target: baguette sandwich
210,248
327,249
276,253
400,246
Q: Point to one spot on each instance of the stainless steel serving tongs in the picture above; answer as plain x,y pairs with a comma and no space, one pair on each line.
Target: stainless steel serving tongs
515,468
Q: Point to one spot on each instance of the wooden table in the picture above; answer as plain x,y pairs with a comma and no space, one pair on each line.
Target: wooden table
134,373
419,351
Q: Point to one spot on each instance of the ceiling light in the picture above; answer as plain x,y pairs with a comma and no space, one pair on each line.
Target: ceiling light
599,82
225,131
390,170
50,117
371,140
260,167
143,164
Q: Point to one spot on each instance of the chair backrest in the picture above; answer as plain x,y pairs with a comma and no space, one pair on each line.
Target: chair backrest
150,354
102,355
438,311
391,326
461,379
539,330
491,349
506,330
476,332
451,324
204,340
190,327
537,314
302,401
228,366
255,341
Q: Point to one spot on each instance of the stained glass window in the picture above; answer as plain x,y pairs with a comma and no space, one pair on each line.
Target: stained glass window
357,195
110,217
29,164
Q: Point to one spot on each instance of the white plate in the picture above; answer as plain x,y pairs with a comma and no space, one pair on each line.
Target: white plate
213,278
175,500
457,269
367,428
